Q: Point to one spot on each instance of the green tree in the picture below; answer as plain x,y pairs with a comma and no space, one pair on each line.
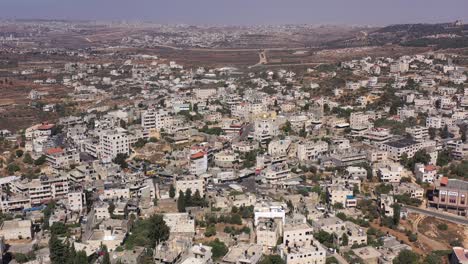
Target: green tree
172,191
159,231
121,159
210,231
40,161
406,257
463,130
58,229
27,158
433,259
106,256
181,202
272,259
344,239
432,133
287,127
12,168
338,206
19,153
58,251
188,197
219,249
141,142
396,214
445,132
443,158
80,258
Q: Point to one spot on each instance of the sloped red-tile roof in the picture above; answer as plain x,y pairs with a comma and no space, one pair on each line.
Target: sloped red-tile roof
444,180
197,155
45,126
54,151
430,168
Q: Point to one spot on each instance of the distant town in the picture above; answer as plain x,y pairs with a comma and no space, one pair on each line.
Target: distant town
177,144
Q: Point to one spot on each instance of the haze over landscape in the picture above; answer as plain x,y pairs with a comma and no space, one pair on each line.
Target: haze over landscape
373,12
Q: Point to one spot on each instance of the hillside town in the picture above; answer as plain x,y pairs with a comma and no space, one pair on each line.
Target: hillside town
142,159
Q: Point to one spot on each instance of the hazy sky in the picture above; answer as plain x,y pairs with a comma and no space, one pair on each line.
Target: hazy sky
375,12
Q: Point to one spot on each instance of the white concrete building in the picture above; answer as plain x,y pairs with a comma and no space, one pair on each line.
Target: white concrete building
269,211
113,142
156,119
311,150
76,201
190,182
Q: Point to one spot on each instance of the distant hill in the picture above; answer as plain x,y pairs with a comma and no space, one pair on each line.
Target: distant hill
439,36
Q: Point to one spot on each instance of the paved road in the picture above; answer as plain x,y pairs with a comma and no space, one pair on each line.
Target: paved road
444,216
233,49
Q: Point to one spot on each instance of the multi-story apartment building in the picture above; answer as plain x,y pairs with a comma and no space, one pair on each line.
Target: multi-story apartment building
275,172
279,147
190,182
264,130
198,161
268,232
269,211
434,122
113,142
297,233
40,191
359,121
390,172
399,147
339,194
156,119
311,150
76,201
304,253
378,134
60,158
386,204
226,159
418,132
451,195
425,173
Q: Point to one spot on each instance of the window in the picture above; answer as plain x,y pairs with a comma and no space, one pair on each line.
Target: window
452,199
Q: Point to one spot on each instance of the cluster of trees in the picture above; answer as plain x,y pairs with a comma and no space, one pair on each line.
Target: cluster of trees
358,221
420,156
395,127
369,209
121,160
47,213
272,259
244,211
443,158
148,232
212,131
407,199
383,188
325,238
64,253
374,237
234,219
249,159
236,231
218,248
187,200
460,169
